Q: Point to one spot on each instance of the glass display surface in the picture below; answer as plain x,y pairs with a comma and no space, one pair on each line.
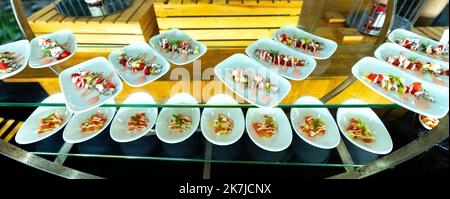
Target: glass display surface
198,80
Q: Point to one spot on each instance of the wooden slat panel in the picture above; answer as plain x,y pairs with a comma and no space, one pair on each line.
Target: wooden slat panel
148,33
423,32
331,33
6,127
144,14
175,2
221,34
232,8
251,34
419,32
69,20
339,64
96,20
189,1
236,43
343,6
207,1
226,22
441,29
437,33
83,20
360,91
143,9
45,18
13,132
128,13
106,38
57,19
427,31
161,90
111,18
40,13
88,28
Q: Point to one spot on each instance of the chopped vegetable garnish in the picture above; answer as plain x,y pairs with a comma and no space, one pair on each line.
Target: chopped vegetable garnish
94,123
223,125
267,127
8,63
93,81
50,123
397,84
313,127
179,123
137,122
302,43
359,130
136,64
53,49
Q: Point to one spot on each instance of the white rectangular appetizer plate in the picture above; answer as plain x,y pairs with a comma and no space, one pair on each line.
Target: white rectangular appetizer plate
294,73
279,141
163,132
65,38
327,141
119,126
223,72
330,46
22,53
209,115
28,132
135,50
402,34
383,143
75,102
73,133
176,34
437,109
387,49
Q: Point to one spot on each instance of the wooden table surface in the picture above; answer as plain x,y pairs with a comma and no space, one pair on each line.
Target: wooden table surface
327,75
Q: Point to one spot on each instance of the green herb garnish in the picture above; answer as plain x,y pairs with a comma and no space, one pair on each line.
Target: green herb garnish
316,123
413,58
274,52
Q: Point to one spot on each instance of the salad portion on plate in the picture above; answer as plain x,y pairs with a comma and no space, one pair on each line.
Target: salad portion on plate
407,91
425,68
86,125
51,49
13,58
222,126
300,40
138,64
428,122
130,124
44,121
50,123
420,44
315,126
269,128
177,46
90,84
252,81
175,125
287,62
363,128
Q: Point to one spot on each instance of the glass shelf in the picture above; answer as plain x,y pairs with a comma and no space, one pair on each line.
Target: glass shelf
283,106
196,148
196,78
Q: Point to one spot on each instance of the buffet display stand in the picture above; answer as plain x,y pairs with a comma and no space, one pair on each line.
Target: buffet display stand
332,81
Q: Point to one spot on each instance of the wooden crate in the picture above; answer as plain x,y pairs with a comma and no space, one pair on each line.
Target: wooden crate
227,22
136,23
